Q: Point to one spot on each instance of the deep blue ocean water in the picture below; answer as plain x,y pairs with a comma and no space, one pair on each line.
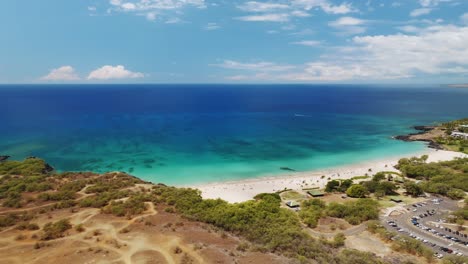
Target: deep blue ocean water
185,134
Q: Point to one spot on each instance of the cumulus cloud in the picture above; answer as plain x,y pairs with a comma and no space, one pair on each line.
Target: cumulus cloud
108,72
435,50
64,73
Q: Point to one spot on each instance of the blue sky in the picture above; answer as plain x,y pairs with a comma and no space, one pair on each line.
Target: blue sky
206,41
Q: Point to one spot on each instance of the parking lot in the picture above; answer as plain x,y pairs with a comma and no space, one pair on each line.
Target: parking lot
423,220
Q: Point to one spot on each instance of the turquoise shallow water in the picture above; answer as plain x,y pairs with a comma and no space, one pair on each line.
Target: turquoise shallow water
190,134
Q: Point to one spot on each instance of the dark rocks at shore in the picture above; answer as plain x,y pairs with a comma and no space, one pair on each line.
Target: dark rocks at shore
48,168
287,169
3,158
422,130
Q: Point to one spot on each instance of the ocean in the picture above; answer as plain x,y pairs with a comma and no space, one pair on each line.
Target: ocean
193,134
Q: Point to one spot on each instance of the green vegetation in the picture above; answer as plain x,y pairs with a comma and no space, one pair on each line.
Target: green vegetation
355,212
461,215
28,167
338,186
379,185
132,206
351,256
312,210
357,191
449,178
413,189
27,226
12,219
262,221
55,230
451,259
399,243
454,143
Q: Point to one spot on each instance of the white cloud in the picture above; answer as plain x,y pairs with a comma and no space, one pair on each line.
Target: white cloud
433,51
349,25
347,21
174,20
299,13
464,18
212,26
108,72
310,43
325,5
151,16
266,18
253,6
409,29
282,11
143,5
427,3
262,66
154,8
420,12
64,73
92,8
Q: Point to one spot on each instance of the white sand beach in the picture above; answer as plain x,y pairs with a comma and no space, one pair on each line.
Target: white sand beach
243,190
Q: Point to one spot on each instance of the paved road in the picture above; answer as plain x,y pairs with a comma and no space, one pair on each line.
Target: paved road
404,221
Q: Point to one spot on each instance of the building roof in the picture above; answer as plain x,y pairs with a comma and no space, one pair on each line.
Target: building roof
292,204
315,192
459,134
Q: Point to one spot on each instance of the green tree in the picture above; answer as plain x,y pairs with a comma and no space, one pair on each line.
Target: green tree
456,194
387,188
379,176
357,191
413,189
345,184
332,186
339,240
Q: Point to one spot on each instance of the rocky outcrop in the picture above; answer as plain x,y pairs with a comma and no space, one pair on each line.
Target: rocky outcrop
3,158
425,134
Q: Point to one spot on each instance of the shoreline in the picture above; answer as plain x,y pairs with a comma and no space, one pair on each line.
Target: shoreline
243,190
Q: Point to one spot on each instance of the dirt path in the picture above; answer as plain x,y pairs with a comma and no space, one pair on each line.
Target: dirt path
348,232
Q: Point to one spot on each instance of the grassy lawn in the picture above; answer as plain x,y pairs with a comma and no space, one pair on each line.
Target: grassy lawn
292,195
385,201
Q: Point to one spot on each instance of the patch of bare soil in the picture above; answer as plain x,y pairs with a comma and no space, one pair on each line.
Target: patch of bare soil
365,241
331,225
152,237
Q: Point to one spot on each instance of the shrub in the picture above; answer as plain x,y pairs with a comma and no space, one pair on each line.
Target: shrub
357,191
55,230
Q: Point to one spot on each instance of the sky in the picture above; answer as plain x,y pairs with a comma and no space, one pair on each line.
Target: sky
221,41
